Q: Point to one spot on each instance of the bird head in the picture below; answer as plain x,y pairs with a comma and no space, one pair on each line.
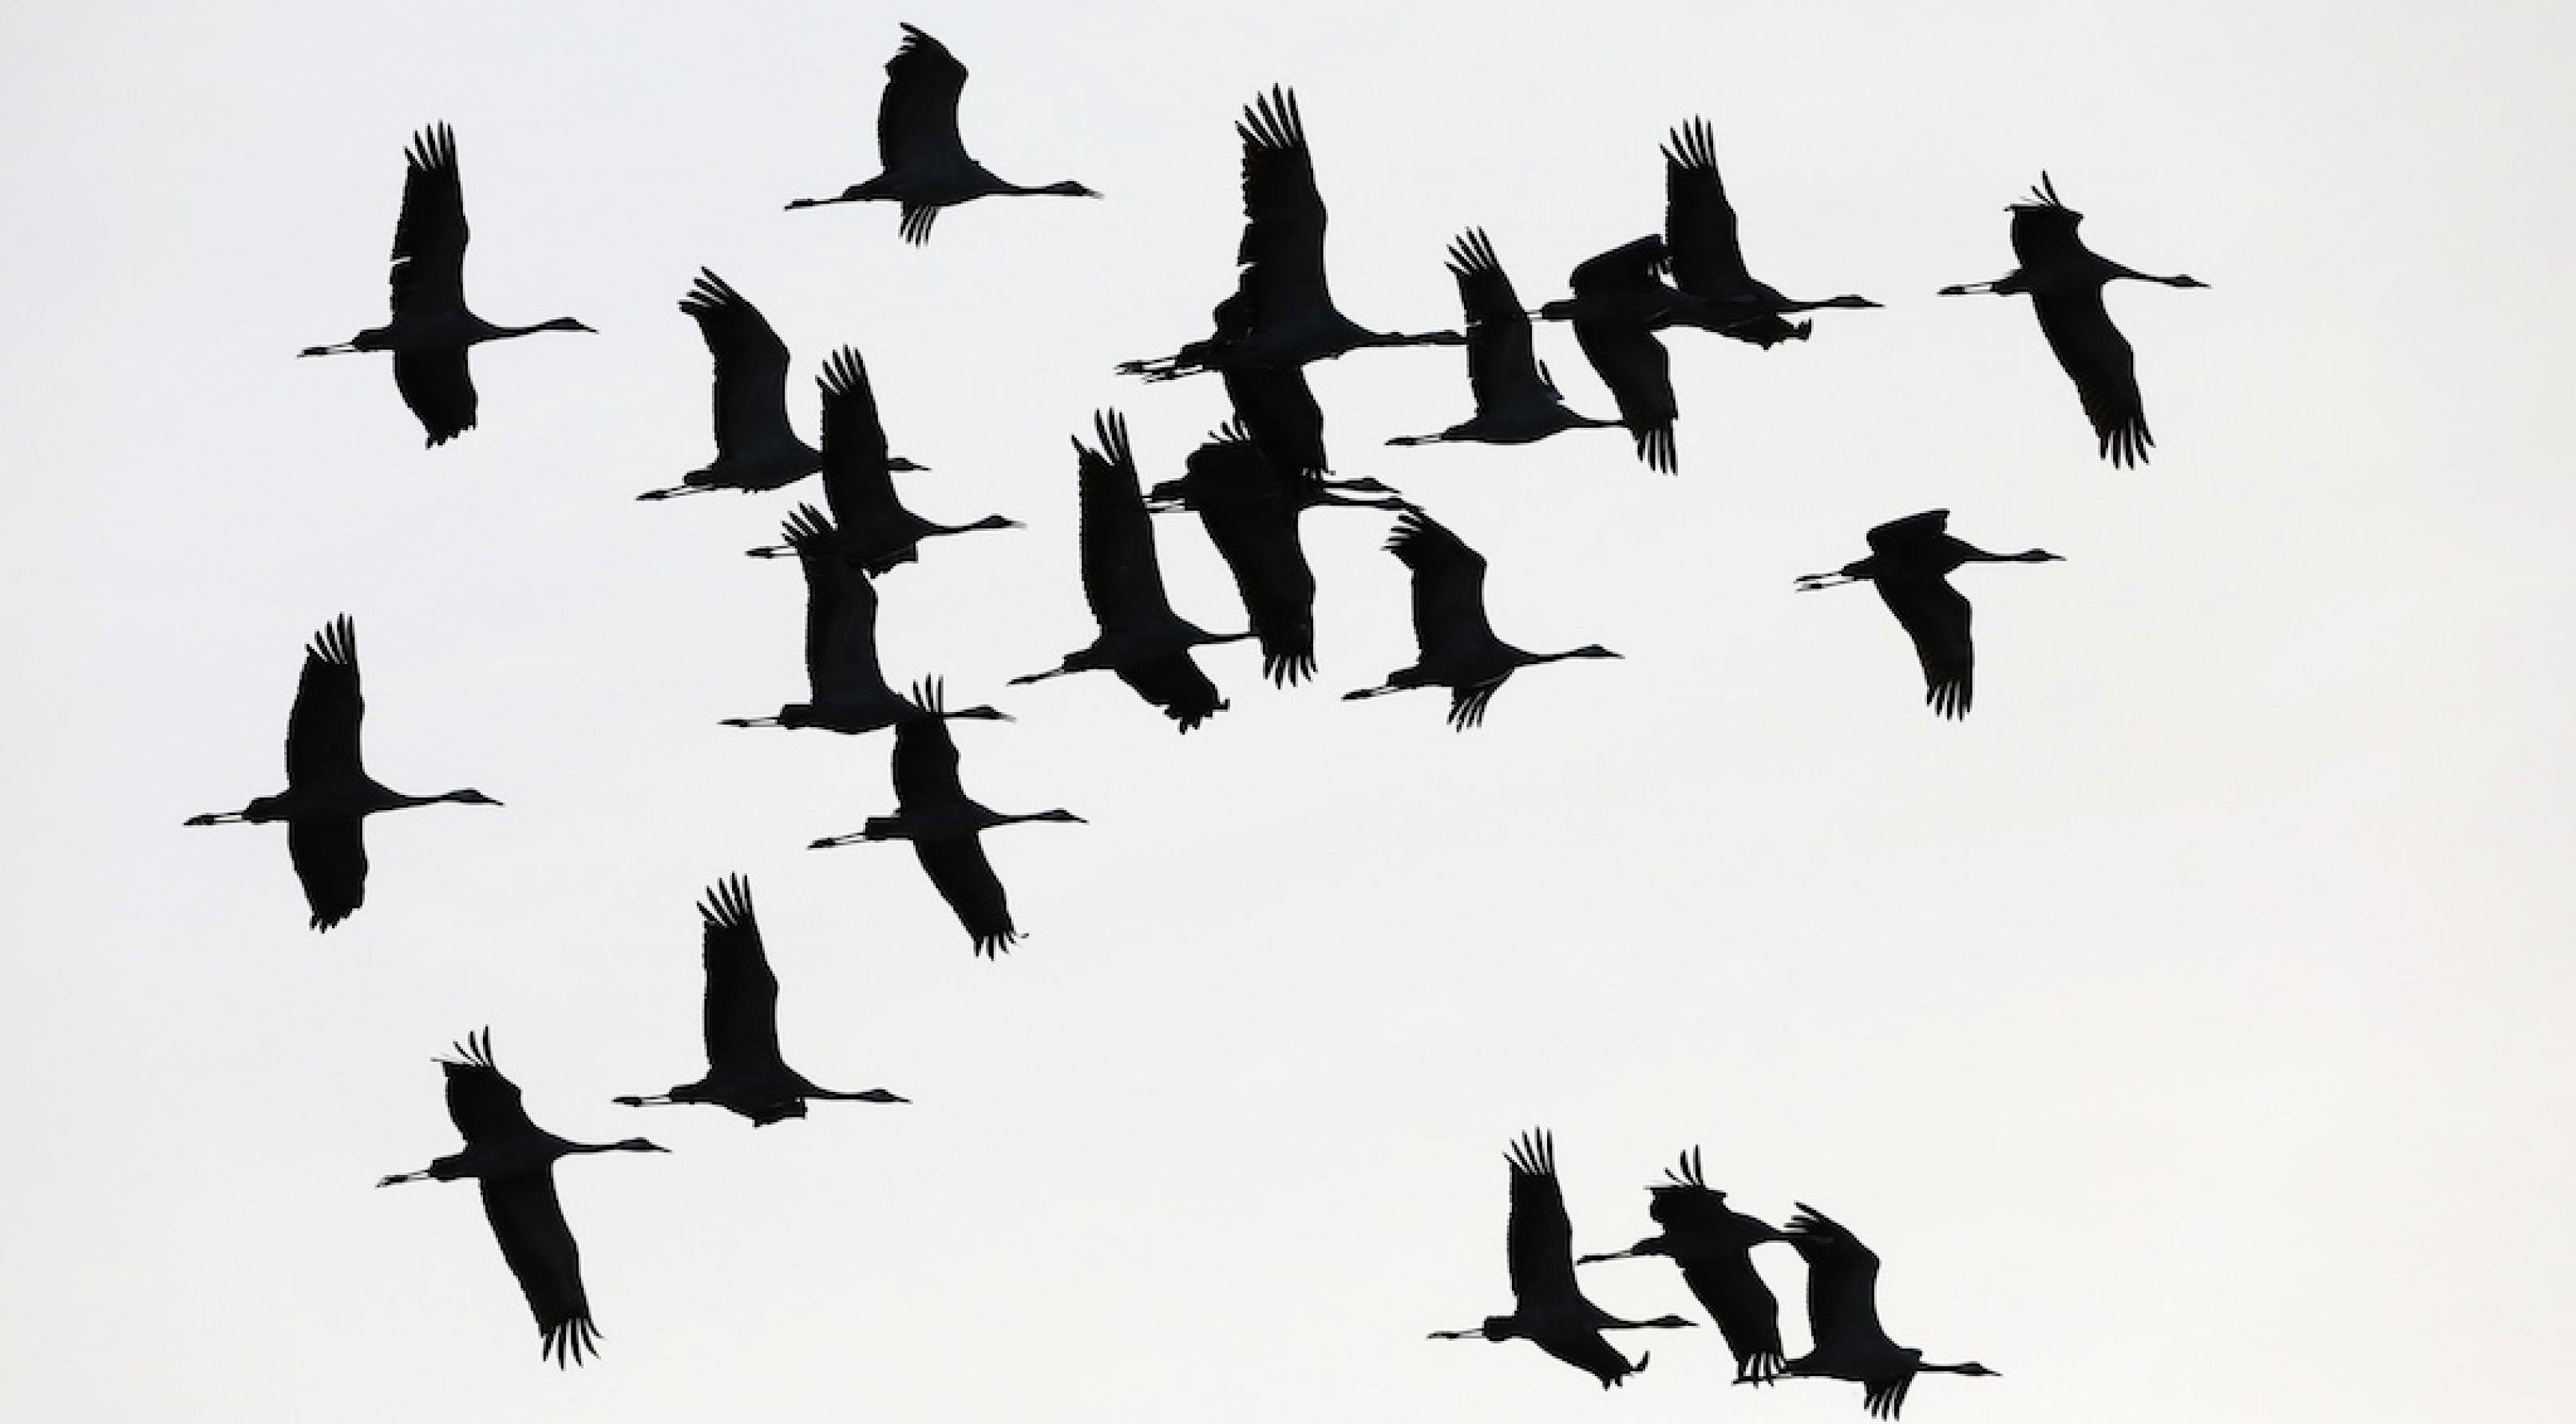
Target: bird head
469,797
565,323
636,1144
1068,189
2039,556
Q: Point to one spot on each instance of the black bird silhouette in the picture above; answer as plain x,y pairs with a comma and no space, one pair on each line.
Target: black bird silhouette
872,525
328,793
924,162
756,448
1548,1308
1250,514
1282,312
1910,560
745,1075
1516,401
1712,1245
933,812
2065,279
1141,639
1276,410
1458,649
514,1160
1699,229
848,689
431,330
1619,300
1842,1310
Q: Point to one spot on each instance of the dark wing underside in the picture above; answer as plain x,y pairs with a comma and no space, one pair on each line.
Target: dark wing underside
964,878
527,1219
1936,617
330,859
439,391
2104,368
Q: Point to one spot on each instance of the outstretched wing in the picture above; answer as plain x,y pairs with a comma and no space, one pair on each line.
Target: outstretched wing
330,860
1448,586
428,272
1282,251
1842,1284
1746,1312
438,388
527,1219
483,1104
1243,506
855,484
322,727
742,993
1121,577
2103,366
1699,223
750,361
925,765
964,878
917,118
1176,684
840,615
1278,408
2043,228
1540,1241
1936,617
1502,364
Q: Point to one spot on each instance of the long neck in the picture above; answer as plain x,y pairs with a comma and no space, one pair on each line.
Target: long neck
1970,1367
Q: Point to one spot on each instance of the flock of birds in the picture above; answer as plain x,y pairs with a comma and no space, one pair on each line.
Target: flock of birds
1248,484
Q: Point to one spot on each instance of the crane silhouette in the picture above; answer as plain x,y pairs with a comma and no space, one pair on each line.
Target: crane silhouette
1699,230
934,813
1516,401
745,1075
1281,312
1842,1311
1250,513
756,448
1141,639
513,1159
1910,560
848,689
2064,280
1458,649
925,165
1619,300
1548,1308
431,330
1712,1244
873,526
328,793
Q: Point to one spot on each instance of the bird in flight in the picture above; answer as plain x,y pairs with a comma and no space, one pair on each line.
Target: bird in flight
1713,1244
1909,561
431,330
1699,230
925,165
1516,401
2064,280
513,1160
1458,649
328,792
1842,1313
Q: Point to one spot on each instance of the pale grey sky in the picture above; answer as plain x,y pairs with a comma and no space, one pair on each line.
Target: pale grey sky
2186,1029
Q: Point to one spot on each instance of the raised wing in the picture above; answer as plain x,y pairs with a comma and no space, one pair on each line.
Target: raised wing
1936,617
742,993
1249,518
429,238
1699,223
855,484
1913,537
750,360
1277,407
1746,1312
1448,586
925,765
1282,251
1540,1240
840,614
1121,577
1842,1285
484,1105
1502,364
322,727
527,1219
438,388
965,879
1639,372
917,118
2103,366
2043,228
330,859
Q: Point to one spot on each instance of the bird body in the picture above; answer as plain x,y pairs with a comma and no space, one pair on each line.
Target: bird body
1458,649
868,522
2064,280
944,825
1516,402
1281,313
328,792
513,1160
1712,1245
431,329
848,691
745,1074
1909,562
924,163
1842,1311
1708,261
1141,639
1548,1309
